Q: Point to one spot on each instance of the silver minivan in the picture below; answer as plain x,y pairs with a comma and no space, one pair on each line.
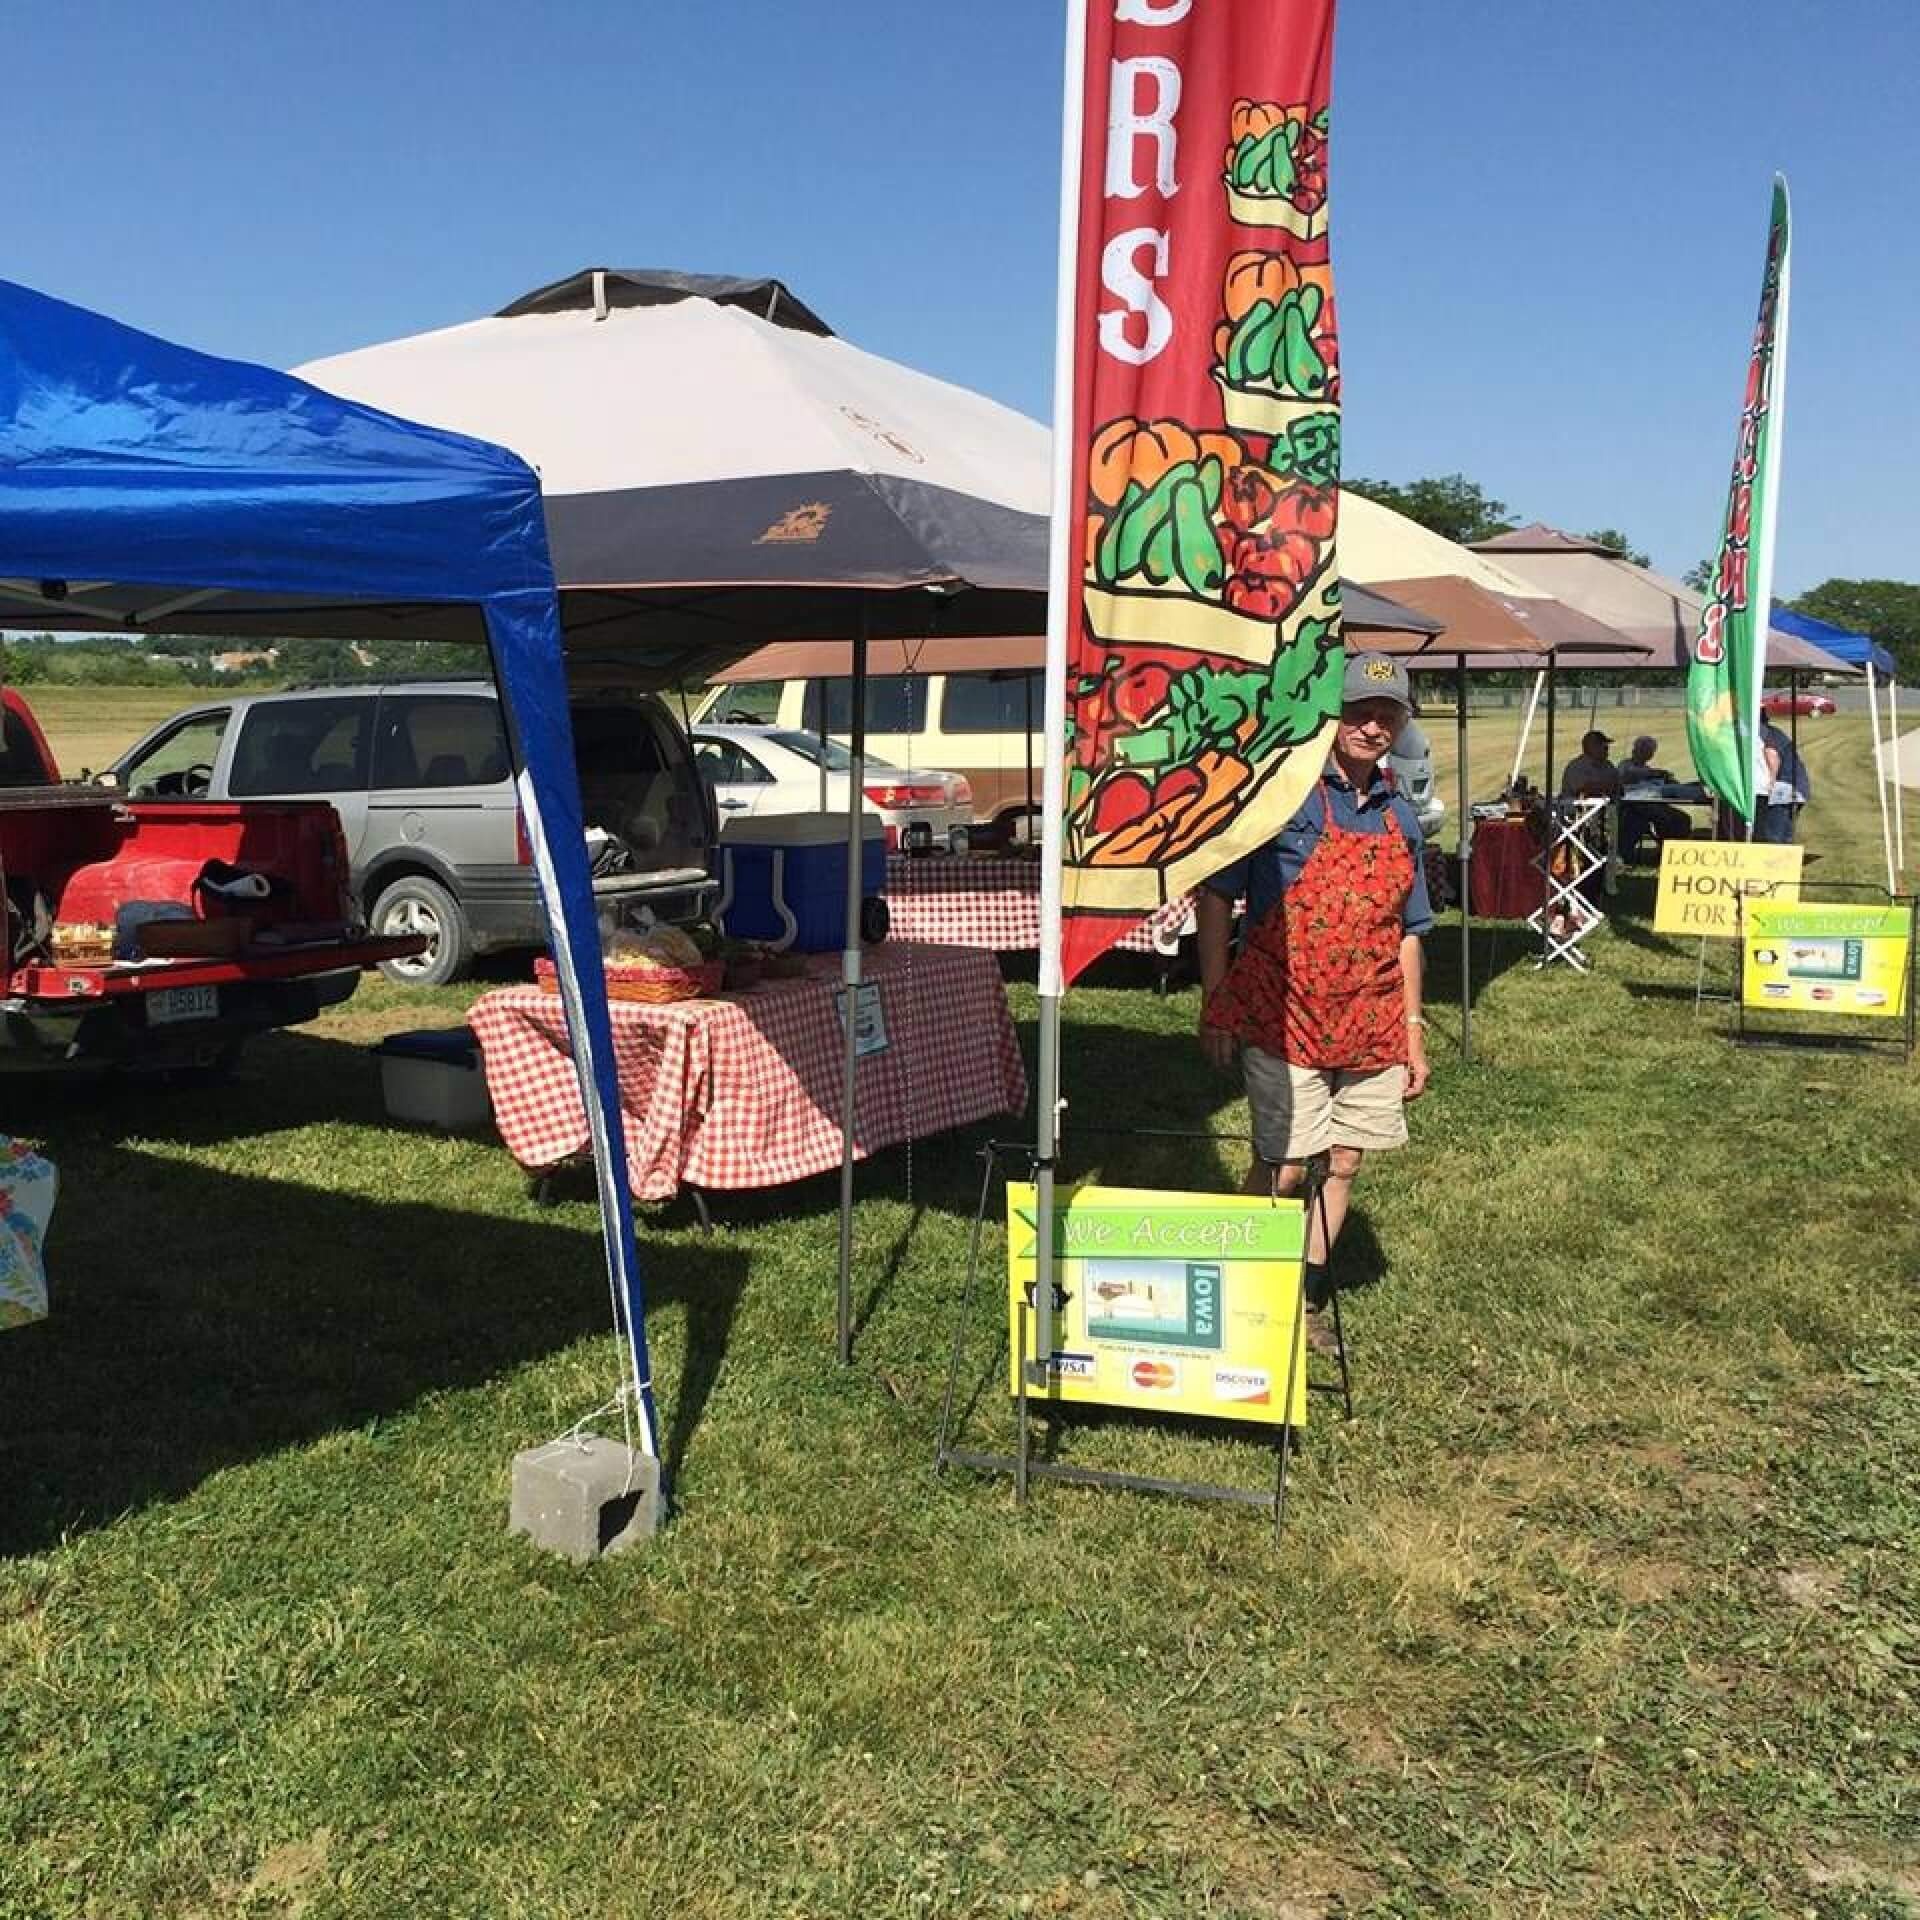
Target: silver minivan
422,779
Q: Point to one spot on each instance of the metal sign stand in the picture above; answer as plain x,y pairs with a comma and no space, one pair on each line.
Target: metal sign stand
1023,1467
1700,994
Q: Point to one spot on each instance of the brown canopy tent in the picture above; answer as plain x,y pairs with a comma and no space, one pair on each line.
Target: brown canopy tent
1382,622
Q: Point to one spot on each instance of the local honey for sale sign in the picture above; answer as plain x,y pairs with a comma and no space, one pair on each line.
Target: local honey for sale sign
1171,1302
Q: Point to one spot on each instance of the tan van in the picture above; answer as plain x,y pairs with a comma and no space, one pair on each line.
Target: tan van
983,725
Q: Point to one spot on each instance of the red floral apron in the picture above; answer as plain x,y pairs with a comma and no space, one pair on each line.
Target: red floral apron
1318,979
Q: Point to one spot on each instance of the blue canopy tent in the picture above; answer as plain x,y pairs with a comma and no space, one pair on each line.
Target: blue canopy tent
1858,649
143,484
1862,650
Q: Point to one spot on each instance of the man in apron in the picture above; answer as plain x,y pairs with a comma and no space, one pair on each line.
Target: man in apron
1323,1002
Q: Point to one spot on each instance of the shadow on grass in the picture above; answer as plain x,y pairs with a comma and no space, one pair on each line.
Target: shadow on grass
1713,995
206,1316
1499,946
1359,1260
203,1318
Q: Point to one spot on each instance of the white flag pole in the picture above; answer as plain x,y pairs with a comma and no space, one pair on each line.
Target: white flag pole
1760,584
1061,608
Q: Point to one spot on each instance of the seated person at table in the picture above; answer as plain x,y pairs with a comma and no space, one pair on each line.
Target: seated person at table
1592,776
1638,818
1638,769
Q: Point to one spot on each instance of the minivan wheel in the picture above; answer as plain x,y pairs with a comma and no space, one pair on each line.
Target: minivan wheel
416,904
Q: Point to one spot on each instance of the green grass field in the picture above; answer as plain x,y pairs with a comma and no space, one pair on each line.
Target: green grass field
1605,1603
88,727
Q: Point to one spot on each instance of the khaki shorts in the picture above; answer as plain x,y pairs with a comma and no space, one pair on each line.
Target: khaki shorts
1301,1111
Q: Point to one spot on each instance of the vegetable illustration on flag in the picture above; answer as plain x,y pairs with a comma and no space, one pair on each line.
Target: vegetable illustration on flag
1730,651
1204,650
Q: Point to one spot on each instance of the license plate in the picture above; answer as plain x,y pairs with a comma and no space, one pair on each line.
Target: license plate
169,1004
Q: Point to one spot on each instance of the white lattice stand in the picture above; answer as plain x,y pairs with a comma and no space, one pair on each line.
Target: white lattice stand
1568,916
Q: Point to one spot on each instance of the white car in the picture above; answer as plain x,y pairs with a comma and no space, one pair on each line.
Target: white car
763,770
1412,762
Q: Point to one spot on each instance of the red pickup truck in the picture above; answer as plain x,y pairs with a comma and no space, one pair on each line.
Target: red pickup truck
162,933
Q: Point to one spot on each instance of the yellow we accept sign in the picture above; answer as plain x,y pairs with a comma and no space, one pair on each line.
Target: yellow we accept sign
1827,957
1173,1302
1703,881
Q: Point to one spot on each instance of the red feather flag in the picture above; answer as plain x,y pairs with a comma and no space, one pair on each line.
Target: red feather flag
1202,626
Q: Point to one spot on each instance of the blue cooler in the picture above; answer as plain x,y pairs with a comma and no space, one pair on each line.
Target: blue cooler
783,879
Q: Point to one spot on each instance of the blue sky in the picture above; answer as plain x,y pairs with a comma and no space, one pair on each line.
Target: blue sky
1548,236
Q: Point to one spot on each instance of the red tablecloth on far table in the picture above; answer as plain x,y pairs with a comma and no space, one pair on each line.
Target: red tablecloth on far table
744,1091
1506,883
983,901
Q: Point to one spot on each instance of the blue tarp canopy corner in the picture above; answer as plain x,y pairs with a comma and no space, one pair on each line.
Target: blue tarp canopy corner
1858,649
140,479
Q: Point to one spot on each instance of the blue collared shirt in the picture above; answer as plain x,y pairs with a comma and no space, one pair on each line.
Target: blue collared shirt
1264,876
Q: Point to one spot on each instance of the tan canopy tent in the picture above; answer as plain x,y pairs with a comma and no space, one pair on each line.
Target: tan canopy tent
1487,609
1634,600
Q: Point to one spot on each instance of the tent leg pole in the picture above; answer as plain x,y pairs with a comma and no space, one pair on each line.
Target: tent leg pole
850,976
1899,786
1466,866
1547,788
820,694
1553,700
1880,778
1526,727
1014,838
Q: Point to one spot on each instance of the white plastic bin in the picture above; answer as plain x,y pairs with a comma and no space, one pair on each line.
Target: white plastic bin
434,1079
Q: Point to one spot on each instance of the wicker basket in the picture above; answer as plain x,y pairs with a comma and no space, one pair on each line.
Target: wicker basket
648,986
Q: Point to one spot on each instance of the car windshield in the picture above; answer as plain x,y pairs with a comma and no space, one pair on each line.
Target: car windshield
811,748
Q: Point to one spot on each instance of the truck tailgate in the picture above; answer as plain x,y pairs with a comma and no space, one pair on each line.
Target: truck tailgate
142,976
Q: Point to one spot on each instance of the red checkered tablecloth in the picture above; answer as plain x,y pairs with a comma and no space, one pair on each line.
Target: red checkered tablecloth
980,901
744,1091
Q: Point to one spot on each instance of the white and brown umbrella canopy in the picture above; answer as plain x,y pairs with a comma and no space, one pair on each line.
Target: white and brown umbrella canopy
714,457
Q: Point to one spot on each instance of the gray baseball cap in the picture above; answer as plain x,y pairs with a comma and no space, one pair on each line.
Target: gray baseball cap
1375,676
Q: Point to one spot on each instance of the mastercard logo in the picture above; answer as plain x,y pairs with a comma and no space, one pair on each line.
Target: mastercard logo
1154,1375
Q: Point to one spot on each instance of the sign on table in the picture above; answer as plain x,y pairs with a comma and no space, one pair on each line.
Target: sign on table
1703,881
869,1022
1827,957
1173,1302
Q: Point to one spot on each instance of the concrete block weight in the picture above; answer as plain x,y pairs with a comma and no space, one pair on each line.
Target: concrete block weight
585,1497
